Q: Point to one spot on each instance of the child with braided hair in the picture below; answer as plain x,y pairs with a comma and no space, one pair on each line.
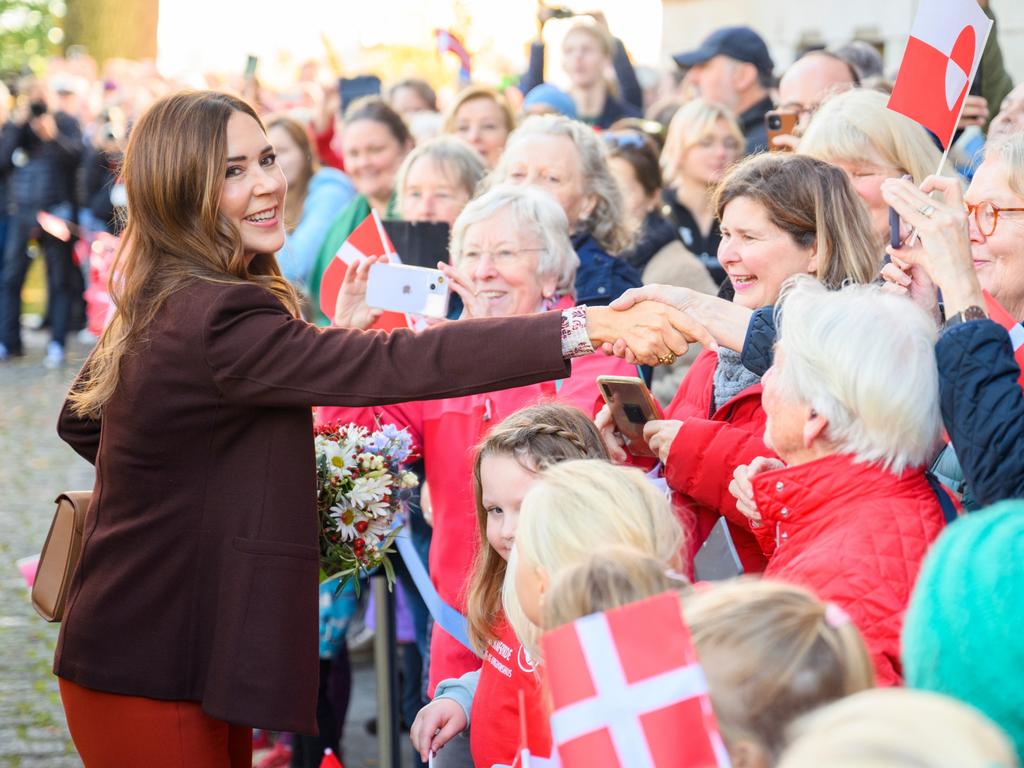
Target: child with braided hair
506,465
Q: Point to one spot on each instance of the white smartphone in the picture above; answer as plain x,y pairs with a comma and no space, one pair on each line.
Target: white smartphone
413,290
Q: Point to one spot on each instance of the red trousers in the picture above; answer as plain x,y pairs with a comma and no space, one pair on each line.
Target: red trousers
115,731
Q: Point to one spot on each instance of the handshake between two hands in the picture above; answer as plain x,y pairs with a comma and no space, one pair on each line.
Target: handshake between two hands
647,326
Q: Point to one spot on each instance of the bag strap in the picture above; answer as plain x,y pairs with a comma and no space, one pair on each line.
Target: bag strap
945,501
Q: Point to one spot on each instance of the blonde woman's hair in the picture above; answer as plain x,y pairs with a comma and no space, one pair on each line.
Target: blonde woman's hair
577,507
607,222
772,652
174,169
881,400
692,122
537,437
814,203
896,727
609,578
857,125
535,213
1011,151
471,93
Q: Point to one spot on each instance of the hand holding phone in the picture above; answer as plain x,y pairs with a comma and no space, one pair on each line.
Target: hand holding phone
632,406
780,123
413,290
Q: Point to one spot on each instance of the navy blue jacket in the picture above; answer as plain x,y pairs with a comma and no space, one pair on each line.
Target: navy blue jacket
47,177
601,278
983,408
759,342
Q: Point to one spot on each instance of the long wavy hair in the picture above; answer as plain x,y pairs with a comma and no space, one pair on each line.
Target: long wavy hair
173,173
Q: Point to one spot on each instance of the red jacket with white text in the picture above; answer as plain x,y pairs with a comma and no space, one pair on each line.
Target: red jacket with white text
854,534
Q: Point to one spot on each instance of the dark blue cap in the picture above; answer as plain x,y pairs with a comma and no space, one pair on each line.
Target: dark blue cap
740,43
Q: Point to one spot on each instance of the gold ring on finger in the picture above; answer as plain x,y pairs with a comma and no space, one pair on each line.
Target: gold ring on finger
667,359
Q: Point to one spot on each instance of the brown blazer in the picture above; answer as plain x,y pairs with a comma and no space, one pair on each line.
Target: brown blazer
198,578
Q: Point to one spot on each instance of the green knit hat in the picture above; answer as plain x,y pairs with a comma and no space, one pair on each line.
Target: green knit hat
964,630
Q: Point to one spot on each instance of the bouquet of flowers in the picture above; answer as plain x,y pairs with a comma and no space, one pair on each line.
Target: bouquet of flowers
360,489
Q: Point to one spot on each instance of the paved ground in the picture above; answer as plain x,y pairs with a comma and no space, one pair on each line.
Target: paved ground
34,466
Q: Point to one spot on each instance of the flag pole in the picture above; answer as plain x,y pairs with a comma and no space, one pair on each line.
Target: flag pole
949,144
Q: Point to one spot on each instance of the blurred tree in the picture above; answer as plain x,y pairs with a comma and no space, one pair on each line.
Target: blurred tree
28,33
110,29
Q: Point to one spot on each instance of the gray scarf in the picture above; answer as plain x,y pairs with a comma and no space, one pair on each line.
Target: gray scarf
731,377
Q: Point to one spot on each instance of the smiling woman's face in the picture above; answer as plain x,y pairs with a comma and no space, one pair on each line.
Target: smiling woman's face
999,257
757,255
500,261
254,187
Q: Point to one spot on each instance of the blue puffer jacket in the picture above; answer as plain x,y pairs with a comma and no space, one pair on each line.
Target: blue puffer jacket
601,278
983,408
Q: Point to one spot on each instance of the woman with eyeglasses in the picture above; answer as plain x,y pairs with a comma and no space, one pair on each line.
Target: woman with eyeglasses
703,141
966,246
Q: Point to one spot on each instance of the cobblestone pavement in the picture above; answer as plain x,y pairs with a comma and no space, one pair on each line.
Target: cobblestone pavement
34,466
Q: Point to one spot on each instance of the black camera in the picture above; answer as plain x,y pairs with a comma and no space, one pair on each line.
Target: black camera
37,108
774,122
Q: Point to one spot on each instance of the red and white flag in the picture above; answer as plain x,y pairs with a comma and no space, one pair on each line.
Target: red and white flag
368,239
627,690
940,62
998,314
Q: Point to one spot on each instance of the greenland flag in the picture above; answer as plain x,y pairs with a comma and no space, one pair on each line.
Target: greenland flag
940,62
368,239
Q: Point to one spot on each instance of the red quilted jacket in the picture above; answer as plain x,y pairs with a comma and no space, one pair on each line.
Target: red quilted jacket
710,445
855,534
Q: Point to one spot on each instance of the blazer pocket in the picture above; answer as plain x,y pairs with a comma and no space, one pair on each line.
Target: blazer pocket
275,548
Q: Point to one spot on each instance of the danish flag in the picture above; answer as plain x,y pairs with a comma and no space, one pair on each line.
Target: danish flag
939,64
627,690
368,239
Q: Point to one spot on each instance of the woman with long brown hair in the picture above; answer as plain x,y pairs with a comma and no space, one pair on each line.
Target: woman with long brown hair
193,613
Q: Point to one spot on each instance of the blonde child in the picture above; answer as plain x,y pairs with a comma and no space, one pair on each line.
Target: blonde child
576,508
506,466
770,651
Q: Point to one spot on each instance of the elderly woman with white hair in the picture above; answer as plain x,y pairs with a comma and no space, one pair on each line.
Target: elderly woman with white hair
853,413
510,255
568,160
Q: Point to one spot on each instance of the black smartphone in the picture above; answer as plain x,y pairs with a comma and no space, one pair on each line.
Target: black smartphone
352,88
894,231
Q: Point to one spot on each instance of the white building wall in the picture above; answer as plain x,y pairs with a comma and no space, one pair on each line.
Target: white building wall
785,23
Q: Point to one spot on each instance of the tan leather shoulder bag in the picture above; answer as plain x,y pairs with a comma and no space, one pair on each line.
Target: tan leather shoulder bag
60,555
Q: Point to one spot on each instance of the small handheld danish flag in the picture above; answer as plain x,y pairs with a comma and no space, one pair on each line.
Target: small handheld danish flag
368,239
628,691
942,57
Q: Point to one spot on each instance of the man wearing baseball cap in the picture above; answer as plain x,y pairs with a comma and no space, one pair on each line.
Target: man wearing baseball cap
732,67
